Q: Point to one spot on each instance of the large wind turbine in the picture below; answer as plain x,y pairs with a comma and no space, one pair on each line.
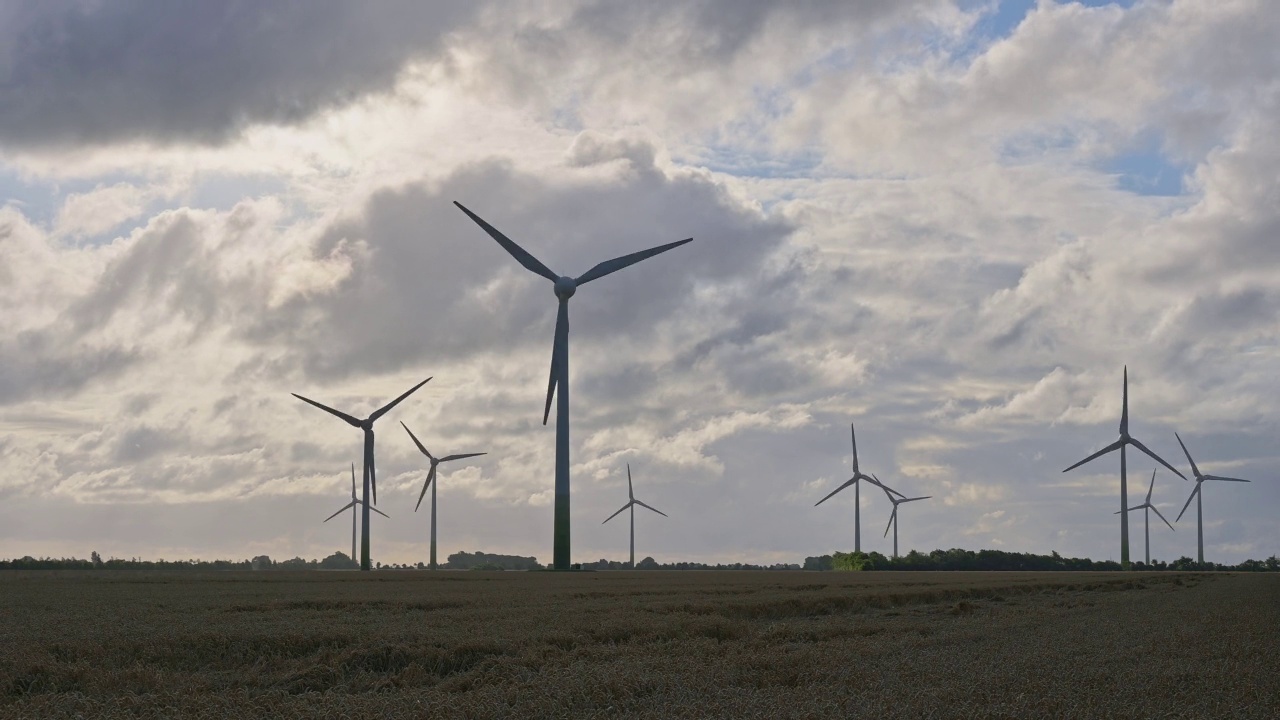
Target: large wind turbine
1200,478
893,517
632,502
1146,516
857,505
431,476
354,502
370,475
1125,439
565,287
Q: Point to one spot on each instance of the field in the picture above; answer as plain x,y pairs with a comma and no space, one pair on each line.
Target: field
639,644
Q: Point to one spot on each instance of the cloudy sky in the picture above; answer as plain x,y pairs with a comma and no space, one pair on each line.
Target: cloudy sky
951,222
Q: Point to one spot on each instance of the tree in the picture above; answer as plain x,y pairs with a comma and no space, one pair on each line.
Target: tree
96,559
262,562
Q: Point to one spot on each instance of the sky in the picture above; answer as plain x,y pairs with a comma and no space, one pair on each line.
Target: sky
951,224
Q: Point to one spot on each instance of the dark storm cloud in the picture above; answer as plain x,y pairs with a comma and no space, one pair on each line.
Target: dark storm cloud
89,72
435,286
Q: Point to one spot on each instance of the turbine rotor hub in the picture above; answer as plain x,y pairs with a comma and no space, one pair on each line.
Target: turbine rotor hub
565,287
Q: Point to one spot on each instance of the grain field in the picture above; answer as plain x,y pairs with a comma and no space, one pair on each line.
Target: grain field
639,644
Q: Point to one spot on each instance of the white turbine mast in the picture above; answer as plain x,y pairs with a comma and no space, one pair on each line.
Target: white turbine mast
564,287
430,482
1199,498
858,476
632,502
1147,507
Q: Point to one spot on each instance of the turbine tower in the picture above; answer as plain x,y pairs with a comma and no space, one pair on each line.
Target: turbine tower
857,504
1200,478
354,502
1125,439
431,476
893,517
632,502
565,287
1146,516
370,475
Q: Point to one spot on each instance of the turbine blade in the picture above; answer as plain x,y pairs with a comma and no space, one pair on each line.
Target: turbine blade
530,262
353,481
624,507
1134,442
1224,479
373,473
652,508
415,440
1194,470
833,492
630,492
340,510
1190,497
616,264
1113,446
385,408
350,420
557,346
1166,522
893,515
907,500
1124,412
447,458
1151,487
854,437
887,490
379,512
431,475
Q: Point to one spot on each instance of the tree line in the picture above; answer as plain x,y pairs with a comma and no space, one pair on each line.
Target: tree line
953,559
958,559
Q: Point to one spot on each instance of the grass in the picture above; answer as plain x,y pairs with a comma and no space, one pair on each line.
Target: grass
639,644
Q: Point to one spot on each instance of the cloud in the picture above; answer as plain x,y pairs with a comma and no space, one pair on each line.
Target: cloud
77,73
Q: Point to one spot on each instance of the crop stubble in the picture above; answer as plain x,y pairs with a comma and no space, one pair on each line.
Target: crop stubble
639,644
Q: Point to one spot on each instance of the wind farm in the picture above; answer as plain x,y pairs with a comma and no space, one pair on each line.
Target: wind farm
945,222
370,472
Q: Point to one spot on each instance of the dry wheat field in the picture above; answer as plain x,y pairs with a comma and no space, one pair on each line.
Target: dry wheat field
639,644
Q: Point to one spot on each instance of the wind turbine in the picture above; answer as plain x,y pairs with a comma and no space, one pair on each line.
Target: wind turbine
1200,478
857,505
370,474
1146,516
1125,439
565,287
632,502
354,502
431,476
893,517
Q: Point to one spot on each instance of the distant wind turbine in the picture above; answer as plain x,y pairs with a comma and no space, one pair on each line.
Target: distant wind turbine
632,502
370,474
857,504
1125,439
893,517
354,502
1200,478
565,287
1146,516
431,476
